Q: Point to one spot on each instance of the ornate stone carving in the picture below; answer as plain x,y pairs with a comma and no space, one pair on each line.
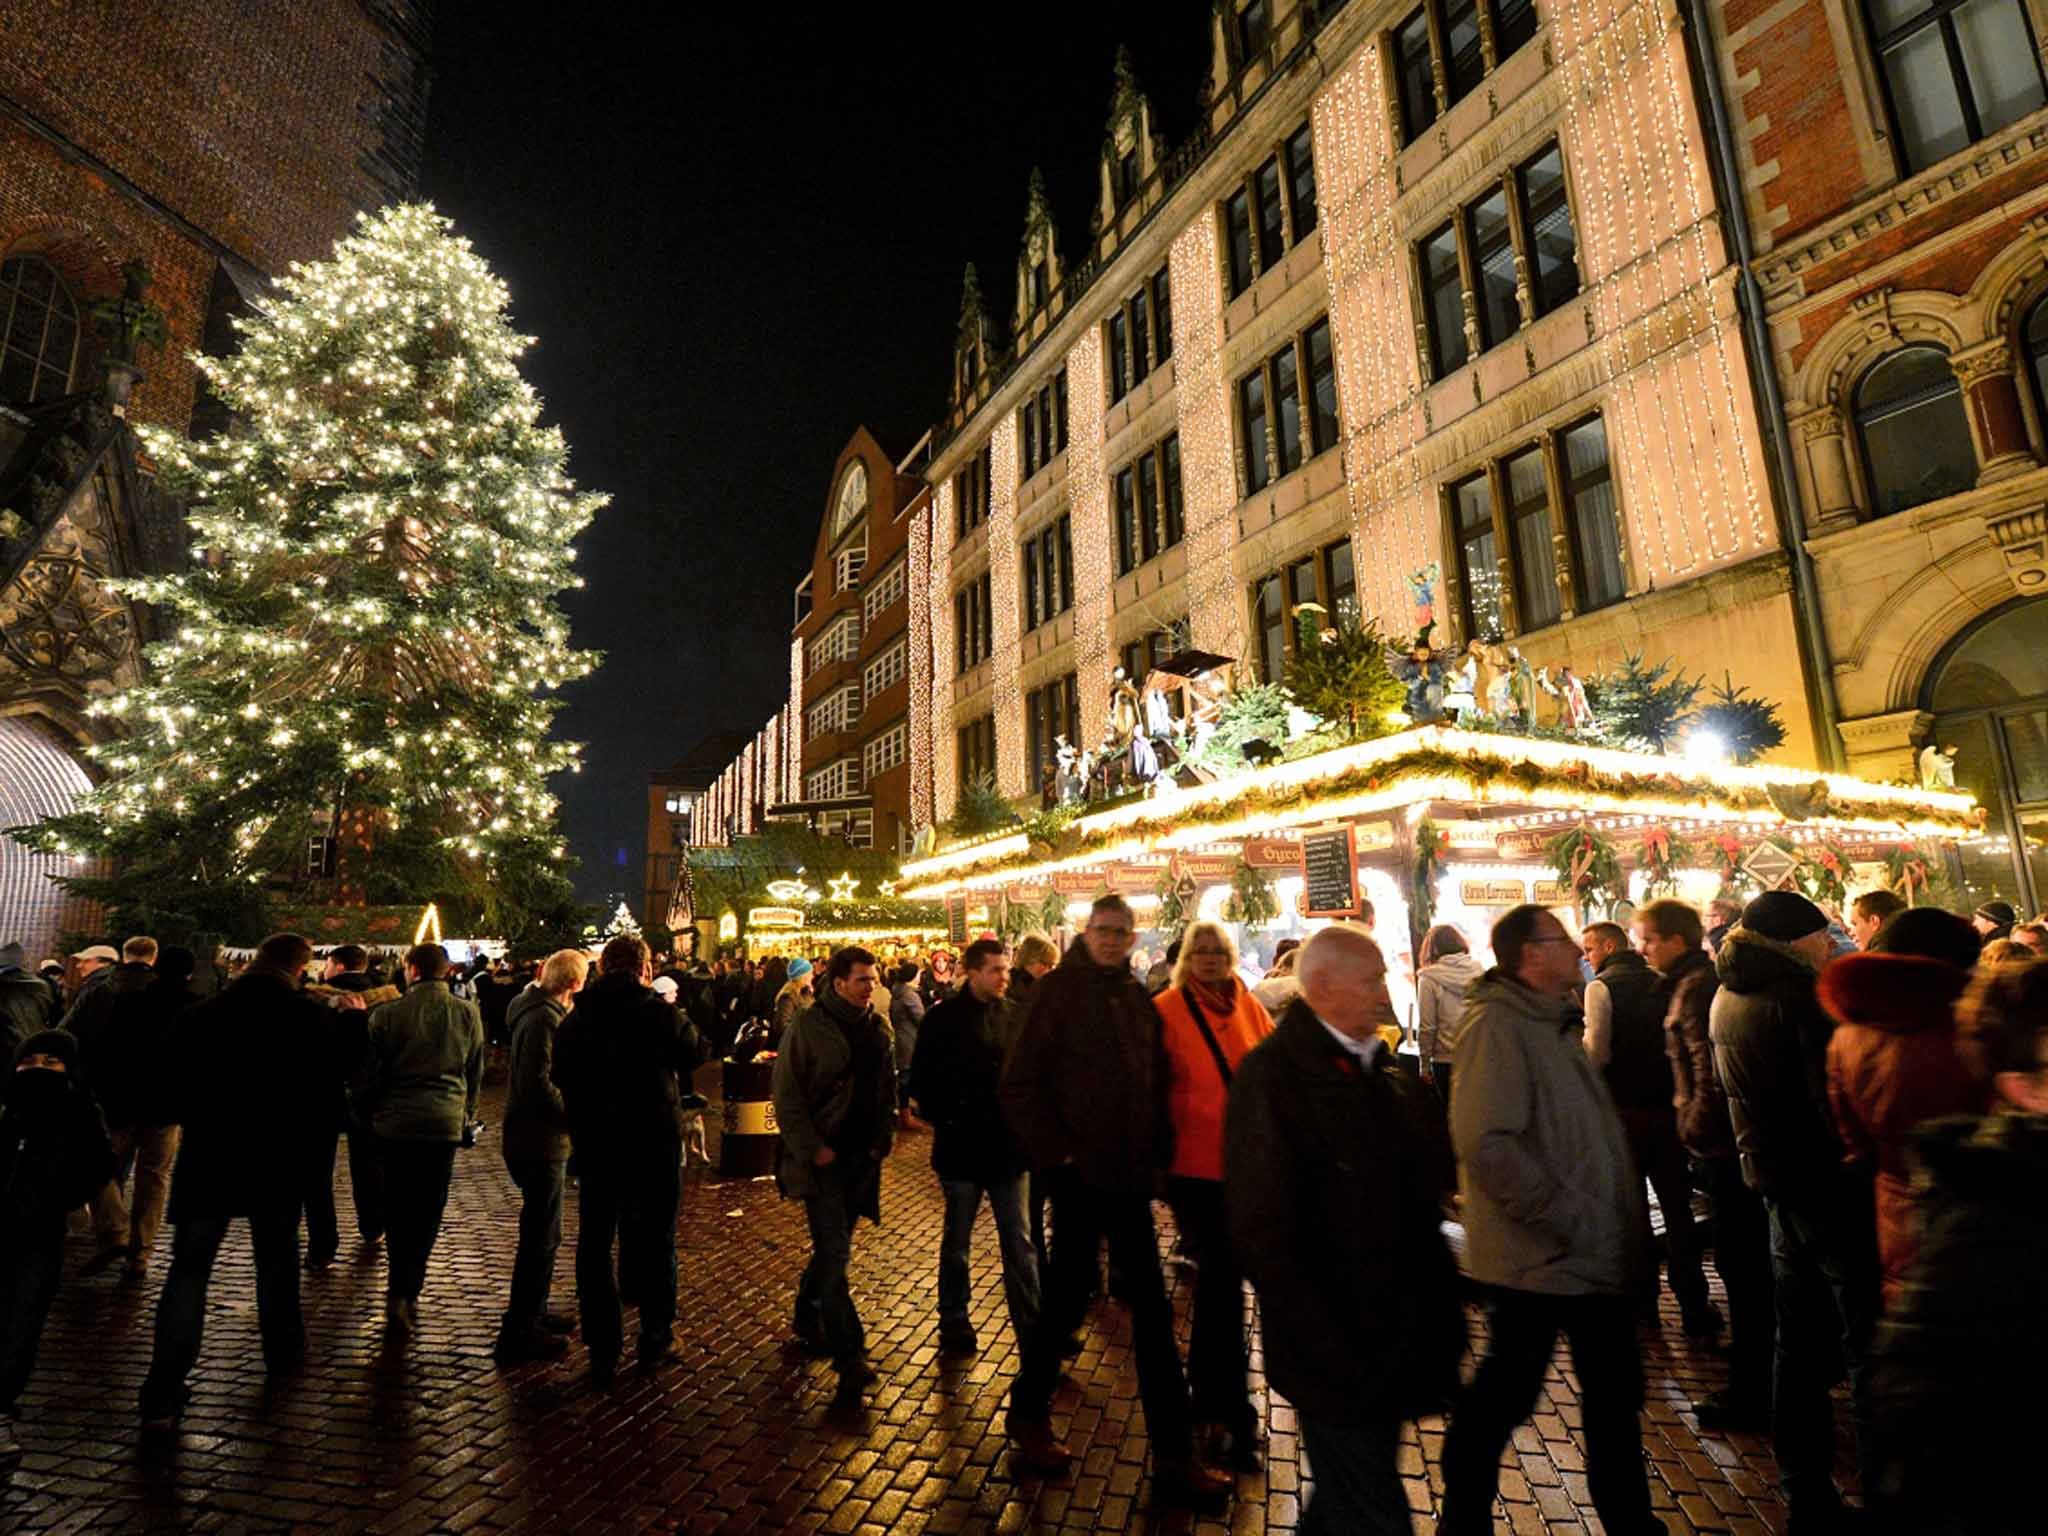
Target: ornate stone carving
2022,541
58,622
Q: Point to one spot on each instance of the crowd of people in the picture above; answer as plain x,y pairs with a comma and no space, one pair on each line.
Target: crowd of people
1859,1108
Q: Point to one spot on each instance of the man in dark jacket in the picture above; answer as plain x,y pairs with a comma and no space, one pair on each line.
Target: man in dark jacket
623,1060
1554,1229
54,1154
953,1080
348,971
1968,1328
1082,1092
1625,1009
424,1064
835,1104
1770,1049
26,1004
1336,1168
128,1066
536,1141
89,1021
1668,933
246,1065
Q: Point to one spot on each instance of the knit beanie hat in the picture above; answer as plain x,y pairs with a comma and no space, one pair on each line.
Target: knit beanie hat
1998,913
798,968
1783,916
49,1042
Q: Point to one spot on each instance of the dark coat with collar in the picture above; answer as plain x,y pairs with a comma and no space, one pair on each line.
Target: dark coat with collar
1687,991
621,1061
252,1070
1083,1080
955,1075
26,1008
1335,1174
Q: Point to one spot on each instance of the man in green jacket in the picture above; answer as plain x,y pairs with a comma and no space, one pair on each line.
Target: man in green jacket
425,1063
835,1104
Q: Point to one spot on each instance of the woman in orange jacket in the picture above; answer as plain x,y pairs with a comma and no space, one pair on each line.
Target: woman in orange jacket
1208,1021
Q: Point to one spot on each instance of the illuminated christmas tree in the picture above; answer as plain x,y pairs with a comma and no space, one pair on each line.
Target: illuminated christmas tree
368,633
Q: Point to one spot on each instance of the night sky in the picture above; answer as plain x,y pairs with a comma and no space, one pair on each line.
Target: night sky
737,238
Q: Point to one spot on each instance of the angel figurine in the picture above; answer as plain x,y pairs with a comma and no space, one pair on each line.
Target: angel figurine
1938,766
1573,712
1069,778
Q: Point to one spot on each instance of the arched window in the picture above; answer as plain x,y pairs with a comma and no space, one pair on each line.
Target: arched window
1915,437
38,331
1989,696
2034,347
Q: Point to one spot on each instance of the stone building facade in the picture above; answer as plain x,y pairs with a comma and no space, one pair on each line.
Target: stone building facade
1895,187
214,143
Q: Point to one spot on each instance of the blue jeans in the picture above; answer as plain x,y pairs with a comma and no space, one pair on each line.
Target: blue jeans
540,1235
181,1310
1358,1488
1824,1266
824,1301
1020,1262
28,1284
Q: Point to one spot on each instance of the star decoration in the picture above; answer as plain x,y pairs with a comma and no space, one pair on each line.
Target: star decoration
887,888
844,887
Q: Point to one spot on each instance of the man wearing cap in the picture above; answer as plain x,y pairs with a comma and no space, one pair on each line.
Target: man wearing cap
92,969
90,1023
1994,920
1770,1040
25,1003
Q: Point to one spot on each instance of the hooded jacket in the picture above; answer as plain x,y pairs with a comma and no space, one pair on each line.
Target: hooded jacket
817,1093
26,1008
1082,1081
1892,1066
1968,1330
1688,990
1551,1201
1770,1051
1440,989
1335,1176
536,1120
54,1150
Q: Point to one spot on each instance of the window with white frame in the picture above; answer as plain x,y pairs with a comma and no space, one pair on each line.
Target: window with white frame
835,781
847,566
855,828
885,751
886,590
887,669
839,642
839,710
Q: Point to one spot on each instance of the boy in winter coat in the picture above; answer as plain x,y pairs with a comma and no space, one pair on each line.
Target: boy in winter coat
54,1156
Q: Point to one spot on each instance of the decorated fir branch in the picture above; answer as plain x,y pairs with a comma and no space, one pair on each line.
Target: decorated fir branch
1588,867
368,631
1660,857
1432,843
1252,900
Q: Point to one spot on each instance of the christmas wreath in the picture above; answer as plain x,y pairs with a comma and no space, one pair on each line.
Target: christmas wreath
1823,875
1725,854
1586,865
1252,900
1660,856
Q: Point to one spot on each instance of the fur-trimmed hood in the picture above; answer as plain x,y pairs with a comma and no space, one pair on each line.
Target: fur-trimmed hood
1749,962
1899,994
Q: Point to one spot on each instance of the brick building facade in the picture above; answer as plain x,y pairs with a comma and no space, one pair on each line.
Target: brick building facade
217,143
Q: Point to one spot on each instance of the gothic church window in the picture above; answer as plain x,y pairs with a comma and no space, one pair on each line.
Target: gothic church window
39,342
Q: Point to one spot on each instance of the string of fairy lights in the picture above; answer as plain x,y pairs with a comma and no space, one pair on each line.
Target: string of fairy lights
1006,630
1088,490
938,595
379,548
923,582
1208,454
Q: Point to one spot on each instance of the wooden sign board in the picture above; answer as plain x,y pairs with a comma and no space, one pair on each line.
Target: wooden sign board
1769,865
1492,893
1470,836
1272,853
1329,870
1551,893
956,918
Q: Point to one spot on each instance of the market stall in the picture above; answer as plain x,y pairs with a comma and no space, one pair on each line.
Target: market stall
1438,824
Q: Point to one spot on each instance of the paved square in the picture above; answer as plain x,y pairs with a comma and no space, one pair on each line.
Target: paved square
433,1435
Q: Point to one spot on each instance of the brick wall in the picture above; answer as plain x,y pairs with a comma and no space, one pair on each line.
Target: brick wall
264,124
1804,159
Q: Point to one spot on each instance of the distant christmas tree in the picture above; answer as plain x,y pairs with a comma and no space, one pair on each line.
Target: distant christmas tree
1642,707
1746,726
368,631
622,924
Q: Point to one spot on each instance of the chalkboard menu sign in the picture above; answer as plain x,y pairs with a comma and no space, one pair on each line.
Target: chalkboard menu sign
1329,870
956,918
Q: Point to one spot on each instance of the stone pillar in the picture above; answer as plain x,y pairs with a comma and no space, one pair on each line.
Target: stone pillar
1992,394
1884,746
1827,457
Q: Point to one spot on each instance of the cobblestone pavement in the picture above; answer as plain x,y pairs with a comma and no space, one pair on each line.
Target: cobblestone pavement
433,1435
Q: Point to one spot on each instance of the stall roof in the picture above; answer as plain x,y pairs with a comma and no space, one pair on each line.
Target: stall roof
1440,763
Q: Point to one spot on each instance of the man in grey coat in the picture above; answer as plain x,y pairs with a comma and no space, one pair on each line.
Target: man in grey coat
835,1102
1552,1226
424,1066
